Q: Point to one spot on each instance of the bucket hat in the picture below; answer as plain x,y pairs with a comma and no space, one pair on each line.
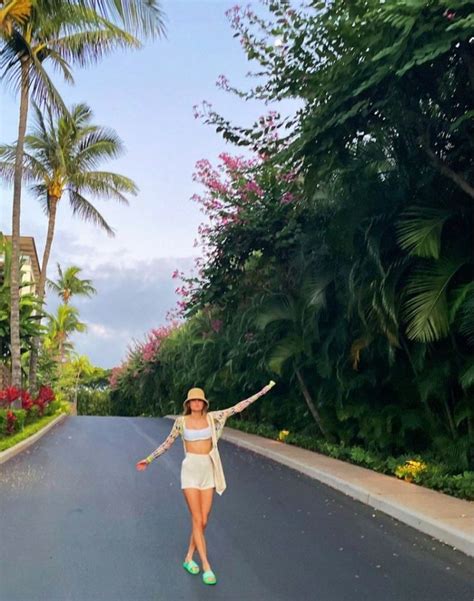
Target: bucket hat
196,393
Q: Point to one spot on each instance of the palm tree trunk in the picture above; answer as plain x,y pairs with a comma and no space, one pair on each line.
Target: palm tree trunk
52,204
311,405
62,340
77,385
449,415
16,212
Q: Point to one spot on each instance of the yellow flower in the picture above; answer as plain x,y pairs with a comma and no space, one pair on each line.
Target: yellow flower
410,469
282,435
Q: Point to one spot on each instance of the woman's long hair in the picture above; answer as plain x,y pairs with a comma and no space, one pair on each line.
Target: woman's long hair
187,409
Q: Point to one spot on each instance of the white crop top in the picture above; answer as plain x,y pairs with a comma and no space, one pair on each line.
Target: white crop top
219,418
202,434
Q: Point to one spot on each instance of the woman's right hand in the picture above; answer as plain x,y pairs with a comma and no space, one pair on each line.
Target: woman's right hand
142,465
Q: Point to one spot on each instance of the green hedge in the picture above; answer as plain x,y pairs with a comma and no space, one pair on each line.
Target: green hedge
426,471
93,402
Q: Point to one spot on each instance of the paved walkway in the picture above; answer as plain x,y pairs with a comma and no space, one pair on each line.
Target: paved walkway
444,517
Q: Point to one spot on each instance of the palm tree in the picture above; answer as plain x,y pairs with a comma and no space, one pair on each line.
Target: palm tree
60,327
61,156
63,33
438,300
13,13
69,284
292,319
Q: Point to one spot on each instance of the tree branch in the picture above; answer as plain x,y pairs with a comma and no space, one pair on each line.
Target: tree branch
447,171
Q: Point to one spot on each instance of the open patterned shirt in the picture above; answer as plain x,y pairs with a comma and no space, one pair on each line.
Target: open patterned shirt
220,418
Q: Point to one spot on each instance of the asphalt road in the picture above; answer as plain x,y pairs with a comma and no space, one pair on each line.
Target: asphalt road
79,523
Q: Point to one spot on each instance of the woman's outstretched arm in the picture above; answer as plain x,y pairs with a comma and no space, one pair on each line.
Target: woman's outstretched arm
166,444
225,413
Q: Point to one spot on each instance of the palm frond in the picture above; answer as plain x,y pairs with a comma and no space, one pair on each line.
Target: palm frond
86,48
274,310
96,145
14,12
84,209
42,89
314,289
144,17
462,311
419,231
104,185
286,349
467,376
357,346
426,307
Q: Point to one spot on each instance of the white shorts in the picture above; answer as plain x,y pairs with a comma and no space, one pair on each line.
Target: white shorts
197,471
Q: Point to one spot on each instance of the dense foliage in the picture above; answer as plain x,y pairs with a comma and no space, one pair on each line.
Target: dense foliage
340,257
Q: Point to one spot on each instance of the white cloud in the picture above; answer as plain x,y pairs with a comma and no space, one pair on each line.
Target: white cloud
131,300
100,331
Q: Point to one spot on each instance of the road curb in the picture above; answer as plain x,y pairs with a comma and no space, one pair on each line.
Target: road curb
24,444
455,537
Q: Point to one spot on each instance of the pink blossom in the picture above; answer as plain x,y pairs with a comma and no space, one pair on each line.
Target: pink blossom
234,15
216,325
287,198
223,82
254,188
290,176
115,375
150,348
232,163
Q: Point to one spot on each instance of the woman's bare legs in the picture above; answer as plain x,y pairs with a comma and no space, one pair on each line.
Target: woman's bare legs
199,504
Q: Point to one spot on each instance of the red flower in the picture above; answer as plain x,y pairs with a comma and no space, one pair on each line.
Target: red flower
26,400
41,405
11,419
12,394
46,394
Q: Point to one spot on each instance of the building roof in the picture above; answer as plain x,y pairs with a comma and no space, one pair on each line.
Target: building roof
28,247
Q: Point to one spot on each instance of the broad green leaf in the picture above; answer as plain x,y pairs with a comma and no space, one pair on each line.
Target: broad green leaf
419,231
426,308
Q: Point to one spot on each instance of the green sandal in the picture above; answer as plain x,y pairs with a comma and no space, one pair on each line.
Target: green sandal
191,567
209,577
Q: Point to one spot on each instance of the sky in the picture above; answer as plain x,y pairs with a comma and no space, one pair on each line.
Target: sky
147,96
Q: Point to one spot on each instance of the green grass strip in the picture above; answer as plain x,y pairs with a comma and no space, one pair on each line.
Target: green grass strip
29,430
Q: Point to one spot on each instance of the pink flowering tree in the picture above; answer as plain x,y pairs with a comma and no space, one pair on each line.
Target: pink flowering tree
142,356
251,206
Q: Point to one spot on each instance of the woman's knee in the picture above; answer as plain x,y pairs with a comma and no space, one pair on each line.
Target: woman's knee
198,522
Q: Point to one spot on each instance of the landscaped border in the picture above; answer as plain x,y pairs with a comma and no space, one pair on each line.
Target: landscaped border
410,467
31,434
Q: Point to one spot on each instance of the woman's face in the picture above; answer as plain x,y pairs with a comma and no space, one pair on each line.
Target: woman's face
196,404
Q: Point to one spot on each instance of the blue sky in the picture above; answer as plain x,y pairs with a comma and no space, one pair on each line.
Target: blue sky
147,96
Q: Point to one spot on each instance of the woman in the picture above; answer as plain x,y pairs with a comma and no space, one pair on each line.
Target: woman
201,470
